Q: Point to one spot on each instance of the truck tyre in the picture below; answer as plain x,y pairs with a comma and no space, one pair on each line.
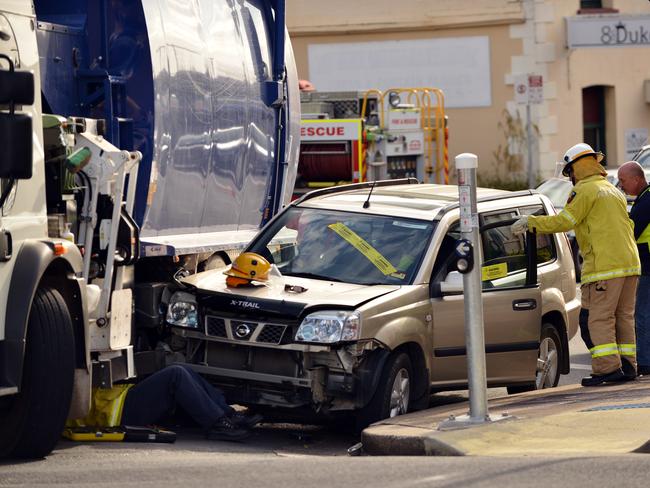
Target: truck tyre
32,421
393,394
549,358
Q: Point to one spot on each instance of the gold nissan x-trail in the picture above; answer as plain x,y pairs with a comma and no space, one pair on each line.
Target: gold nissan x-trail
363,311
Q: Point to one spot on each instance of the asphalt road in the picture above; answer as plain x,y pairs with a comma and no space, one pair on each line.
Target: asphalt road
192,463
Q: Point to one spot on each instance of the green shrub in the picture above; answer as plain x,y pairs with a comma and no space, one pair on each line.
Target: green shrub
508,157
512,184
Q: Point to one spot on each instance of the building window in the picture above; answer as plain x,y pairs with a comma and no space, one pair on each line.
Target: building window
584,4
597,7
593,117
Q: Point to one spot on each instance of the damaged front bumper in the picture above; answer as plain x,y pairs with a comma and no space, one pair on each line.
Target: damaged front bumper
325,378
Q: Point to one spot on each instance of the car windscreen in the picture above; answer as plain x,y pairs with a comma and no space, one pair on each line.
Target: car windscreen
643,157
557,190
343,246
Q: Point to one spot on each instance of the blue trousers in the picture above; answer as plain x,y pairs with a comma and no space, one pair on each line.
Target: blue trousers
642,316
158,395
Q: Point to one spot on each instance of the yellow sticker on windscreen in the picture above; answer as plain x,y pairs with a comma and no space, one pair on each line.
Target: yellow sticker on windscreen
494,271
371,254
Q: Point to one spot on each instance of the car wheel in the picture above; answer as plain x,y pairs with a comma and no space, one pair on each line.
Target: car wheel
32,421
548,362
393,394
548,358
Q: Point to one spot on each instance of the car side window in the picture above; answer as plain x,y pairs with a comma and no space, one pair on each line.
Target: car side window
504,254
546,250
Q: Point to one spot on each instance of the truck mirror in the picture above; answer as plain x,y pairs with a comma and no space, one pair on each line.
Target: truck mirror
16,144
16,88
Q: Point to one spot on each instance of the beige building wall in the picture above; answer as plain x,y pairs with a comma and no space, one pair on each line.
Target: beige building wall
526,36
623,69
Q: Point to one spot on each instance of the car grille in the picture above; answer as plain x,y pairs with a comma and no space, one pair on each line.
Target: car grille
215,327
244,330
271,333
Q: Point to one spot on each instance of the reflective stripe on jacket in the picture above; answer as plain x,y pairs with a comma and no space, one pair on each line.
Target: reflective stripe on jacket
105,409
598,213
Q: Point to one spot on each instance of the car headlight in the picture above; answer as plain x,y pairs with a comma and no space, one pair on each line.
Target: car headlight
330,326
183,311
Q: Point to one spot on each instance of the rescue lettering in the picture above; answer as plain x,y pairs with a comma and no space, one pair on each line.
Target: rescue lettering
322,131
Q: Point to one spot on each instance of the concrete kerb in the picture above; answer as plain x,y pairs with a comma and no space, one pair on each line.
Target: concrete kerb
401,440
567,420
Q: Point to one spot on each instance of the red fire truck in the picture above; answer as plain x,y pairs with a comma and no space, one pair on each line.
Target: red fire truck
348,137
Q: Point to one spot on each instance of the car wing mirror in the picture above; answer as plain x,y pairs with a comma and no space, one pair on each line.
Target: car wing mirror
453,283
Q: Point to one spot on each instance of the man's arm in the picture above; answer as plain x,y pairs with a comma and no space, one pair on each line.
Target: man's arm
572,214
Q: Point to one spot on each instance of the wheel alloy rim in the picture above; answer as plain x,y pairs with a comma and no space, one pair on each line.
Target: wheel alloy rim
547,364
399,394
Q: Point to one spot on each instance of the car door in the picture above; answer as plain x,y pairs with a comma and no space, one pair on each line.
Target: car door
511,307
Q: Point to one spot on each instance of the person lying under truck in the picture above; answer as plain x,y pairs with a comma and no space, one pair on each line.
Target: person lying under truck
156,397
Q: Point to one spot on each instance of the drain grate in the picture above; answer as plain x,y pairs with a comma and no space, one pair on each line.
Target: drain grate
617,407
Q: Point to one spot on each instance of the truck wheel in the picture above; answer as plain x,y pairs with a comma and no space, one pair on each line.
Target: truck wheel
548,362
31,422
393,394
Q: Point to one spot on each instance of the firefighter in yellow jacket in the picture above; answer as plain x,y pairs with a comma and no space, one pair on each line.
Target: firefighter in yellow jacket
597,211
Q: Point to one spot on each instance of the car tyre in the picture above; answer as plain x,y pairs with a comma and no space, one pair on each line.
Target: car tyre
549,355
393,394
32,421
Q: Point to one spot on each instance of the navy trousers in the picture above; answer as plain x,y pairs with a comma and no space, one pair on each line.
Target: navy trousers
643,322
158,395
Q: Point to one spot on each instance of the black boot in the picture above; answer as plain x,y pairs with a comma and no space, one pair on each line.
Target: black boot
628,371
643,370
224,429
247,421
599,379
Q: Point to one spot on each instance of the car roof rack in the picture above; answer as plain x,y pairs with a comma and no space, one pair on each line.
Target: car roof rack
519,193
491,198
355,186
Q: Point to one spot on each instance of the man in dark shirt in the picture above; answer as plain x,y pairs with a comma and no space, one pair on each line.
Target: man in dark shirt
633,182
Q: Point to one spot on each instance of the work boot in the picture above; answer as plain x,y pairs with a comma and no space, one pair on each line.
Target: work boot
225,429
643,370
629,373
247,421
599,379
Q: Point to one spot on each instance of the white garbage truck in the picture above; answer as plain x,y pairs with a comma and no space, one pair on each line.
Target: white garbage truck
175,138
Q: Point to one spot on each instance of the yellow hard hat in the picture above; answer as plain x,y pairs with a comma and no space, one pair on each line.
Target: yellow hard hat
249,266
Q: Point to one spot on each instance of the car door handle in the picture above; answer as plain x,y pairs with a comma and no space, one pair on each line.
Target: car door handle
525,304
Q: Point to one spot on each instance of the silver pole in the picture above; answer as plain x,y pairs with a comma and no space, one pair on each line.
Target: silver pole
466,165
529,143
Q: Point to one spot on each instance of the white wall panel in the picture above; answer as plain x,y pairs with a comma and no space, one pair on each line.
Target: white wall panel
460,66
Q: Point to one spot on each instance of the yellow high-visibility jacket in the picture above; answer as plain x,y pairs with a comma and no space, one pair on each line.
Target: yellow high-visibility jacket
597,211
106,408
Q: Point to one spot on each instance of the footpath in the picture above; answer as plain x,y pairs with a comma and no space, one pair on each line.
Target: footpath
568,420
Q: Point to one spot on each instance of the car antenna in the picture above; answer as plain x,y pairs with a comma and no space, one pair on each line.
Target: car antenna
366,204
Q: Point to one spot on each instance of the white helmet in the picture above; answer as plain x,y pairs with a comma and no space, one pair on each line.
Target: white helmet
579,151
